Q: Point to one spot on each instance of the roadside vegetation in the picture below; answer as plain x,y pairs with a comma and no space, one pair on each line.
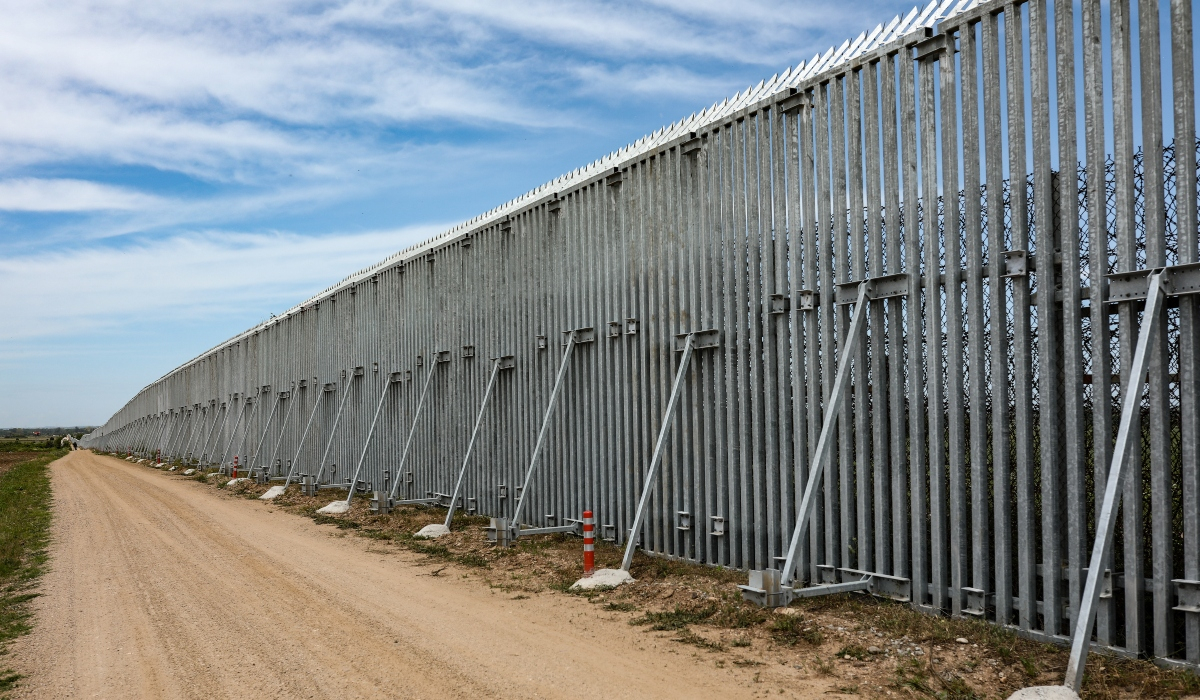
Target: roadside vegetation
38,444
24,531
871,647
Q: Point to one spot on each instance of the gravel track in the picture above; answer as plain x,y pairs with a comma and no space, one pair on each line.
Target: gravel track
162,588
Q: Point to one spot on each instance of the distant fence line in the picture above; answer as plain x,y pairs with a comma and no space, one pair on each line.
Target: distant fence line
982,402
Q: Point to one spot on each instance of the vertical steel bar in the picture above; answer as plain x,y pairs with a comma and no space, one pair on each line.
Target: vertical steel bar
1097,263
1184,103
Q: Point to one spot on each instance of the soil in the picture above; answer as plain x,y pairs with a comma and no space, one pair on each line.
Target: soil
354,606
162,586
862,645
10,459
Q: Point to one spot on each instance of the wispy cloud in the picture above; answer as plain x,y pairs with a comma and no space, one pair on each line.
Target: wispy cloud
226,90
63,195
79,291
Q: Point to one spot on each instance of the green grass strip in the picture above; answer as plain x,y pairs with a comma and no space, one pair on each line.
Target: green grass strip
24,533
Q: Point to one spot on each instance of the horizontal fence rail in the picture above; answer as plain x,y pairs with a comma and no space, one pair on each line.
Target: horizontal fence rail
1002,176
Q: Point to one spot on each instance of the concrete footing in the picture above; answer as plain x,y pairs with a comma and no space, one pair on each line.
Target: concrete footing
432,531
272,493
335,508
603,578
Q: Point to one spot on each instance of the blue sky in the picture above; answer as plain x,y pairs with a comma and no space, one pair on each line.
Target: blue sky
171,174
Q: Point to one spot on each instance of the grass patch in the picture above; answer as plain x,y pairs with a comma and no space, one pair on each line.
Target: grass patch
339,523
437,551
44,445
687,636
620,607
853,651
24,533
677,619
790,630
735,613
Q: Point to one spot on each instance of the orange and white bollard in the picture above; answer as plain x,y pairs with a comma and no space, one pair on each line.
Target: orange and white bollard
589,543
235,466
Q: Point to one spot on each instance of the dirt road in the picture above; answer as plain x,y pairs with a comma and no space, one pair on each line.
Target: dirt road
162,588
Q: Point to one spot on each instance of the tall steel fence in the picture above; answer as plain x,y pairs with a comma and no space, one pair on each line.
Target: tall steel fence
1004,175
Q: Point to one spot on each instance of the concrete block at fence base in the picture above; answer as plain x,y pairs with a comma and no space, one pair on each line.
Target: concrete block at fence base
433,531
273,492
234,482
335,508
189,472
1045,692
603,578
172,469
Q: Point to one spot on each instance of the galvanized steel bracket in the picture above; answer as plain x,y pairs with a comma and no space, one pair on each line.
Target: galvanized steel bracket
1016,263
883,287
976,602
1177,280
701,340
765,589
779,304
808,299
934,46
499,532
330,386
1188,594
506,361
580,335
793,102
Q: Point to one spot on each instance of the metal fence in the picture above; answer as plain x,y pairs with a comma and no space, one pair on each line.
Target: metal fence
985,166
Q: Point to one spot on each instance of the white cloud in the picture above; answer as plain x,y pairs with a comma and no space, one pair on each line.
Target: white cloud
231,91
64,195
85,290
